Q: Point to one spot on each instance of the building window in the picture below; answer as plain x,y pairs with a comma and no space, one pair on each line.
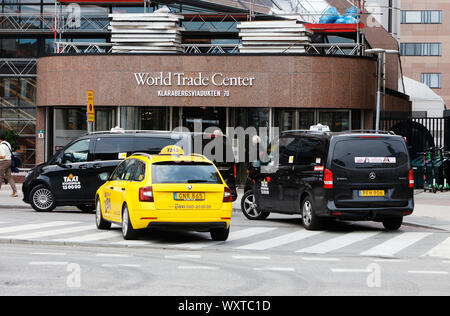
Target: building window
422,17
421,49
431,80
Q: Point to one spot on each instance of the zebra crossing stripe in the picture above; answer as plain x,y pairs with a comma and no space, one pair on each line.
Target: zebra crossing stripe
338,242
19,228
442,250
280,240
241,234
49,233
394,245
92,237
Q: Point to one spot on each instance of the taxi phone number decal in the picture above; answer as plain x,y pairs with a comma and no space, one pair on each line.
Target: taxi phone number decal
178,206
71,182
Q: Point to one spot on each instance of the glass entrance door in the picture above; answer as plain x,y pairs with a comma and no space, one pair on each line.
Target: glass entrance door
207,117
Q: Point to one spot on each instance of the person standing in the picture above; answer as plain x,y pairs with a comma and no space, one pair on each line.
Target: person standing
5,165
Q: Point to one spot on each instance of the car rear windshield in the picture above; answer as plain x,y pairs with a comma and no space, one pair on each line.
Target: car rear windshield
370,153
185,172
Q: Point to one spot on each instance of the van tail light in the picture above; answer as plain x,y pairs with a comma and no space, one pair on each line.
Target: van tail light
146,194
227,195
327,179
411,179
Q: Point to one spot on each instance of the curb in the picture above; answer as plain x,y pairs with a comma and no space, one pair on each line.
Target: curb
24,207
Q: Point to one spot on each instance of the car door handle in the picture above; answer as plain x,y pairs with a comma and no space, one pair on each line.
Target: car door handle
123,189
97,166
83,167
111,188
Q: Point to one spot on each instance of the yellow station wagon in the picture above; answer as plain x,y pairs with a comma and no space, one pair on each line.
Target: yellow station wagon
169,190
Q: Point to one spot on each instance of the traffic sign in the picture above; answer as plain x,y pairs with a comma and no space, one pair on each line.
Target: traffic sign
90,106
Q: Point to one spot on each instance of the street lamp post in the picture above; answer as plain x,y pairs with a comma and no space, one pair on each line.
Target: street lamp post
381,54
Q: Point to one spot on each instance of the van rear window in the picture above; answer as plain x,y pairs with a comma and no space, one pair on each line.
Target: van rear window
370,153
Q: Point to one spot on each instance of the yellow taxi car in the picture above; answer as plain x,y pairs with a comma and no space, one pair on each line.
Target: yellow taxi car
169,190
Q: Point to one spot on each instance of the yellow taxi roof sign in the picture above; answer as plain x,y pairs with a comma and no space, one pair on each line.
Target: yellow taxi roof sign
172,150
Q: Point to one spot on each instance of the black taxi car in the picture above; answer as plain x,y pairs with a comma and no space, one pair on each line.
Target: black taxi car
324,175
71,177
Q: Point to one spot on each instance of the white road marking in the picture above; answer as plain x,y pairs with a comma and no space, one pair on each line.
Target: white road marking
395,245
390,260
338,242
275,269
55,232
48,253
113,255
197,268
442,250
108,265
428,272
350,270
48,263
321,259
280,240
241,234
251,257
91,237
182,256
19,228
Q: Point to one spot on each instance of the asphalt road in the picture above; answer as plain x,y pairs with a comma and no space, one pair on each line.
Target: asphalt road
272,257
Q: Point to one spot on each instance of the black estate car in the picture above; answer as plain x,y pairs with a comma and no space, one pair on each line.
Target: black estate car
71,177
324,175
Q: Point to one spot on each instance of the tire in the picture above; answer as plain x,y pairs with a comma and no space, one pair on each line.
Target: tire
309,218
42,199
128,232
220,234
393,223
86,208
99,220
250,209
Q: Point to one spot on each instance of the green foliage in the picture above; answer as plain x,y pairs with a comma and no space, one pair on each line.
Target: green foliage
11,137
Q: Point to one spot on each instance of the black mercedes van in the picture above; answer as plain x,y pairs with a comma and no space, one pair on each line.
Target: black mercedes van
71,177
324,175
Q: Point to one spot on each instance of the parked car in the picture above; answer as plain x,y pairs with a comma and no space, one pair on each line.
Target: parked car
324,175
70,178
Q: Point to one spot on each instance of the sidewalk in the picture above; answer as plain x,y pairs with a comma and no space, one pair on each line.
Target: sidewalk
431,210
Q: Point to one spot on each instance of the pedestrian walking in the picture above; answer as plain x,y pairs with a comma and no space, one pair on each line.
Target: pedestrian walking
5,165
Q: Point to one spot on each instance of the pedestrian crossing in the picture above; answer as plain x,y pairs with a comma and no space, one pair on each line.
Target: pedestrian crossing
297,240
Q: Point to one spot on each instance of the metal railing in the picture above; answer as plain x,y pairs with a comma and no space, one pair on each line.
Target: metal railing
346,49
18,67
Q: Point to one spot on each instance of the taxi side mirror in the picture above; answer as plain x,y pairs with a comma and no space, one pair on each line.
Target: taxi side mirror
103,176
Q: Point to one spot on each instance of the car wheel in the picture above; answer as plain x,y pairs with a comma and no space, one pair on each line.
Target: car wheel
220,234
99,220
310,220
86,208
42,199
128,232
250,208
393,223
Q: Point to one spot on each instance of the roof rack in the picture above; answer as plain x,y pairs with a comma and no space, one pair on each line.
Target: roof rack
133,132
369,131
142,154
306,131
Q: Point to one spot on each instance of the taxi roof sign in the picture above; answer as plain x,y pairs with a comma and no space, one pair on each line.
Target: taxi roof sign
172,150
319,128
